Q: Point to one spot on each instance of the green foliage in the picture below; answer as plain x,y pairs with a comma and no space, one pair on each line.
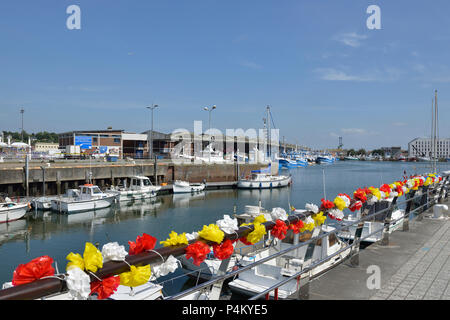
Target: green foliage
35,137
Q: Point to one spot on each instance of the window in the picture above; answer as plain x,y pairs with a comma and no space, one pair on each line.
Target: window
96,190
116,140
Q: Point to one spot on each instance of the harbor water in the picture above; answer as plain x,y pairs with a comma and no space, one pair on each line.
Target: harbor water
56,235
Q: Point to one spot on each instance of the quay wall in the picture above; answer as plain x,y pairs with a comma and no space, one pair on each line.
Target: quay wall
61,176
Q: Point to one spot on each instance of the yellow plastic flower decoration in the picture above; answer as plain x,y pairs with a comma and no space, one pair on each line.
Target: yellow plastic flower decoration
307,226
340,203
319,218
137,276
376,192
175,239
92,259
212,233
258,232
260,219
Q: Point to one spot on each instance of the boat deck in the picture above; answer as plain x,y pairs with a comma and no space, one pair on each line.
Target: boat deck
415,265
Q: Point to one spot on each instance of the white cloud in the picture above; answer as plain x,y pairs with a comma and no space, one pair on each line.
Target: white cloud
251,65
332,74
354,131
351,39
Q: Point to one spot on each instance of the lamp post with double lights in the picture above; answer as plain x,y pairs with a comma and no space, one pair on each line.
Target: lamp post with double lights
209,126
152,107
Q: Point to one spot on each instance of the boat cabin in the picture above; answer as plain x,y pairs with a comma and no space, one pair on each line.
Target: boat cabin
139,182
89,191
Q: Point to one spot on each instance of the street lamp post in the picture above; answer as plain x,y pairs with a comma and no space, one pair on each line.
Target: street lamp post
21,112
152,107
209,126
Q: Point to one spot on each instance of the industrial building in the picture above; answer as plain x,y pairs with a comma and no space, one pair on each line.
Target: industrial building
422,147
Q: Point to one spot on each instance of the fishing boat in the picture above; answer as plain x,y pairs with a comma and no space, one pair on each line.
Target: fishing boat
90,197
186,187
10,211
301,162
369,233
140,188
324,159
287,163
272,272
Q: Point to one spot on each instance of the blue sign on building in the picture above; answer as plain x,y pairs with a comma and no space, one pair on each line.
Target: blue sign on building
84,142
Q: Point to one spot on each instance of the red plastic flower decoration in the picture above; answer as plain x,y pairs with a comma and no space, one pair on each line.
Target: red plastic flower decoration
326,204
279,230
355,206
33,270
106,287
385,188
360,194
224,250
197,251
295,227
143,243
244,241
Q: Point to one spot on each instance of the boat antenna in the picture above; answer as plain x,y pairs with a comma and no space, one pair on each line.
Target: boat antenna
323,179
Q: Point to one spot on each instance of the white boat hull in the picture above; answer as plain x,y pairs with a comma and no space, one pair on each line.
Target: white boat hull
177,188
15,212
264,184
68,206
135,195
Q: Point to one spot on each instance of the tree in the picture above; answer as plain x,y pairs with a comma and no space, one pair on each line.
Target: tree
361,151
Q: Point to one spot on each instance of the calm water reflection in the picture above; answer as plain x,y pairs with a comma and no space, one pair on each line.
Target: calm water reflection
57,235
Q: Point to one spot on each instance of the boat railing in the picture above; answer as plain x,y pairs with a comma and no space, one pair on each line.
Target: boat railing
45,287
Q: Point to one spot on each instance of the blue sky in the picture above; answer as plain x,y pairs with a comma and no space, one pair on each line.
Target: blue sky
324,73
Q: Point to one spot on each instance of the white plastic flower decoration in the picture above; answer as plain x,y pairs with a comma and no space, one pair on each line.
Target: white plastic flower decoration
169,266
112,251
279,213
227,224
78,283
312,207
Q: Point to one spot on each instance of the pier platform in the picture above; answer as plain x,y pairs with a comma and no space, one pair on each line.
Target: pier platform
414,266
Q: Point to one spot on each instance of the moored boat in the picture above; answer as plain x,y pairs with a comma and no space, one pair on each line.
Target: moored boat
259,180
140,188
272,272
10,211
90,197
185,187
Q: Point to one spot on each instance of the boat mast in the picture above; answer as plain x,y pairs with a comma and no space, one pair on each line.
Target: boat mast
435,132
269,149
